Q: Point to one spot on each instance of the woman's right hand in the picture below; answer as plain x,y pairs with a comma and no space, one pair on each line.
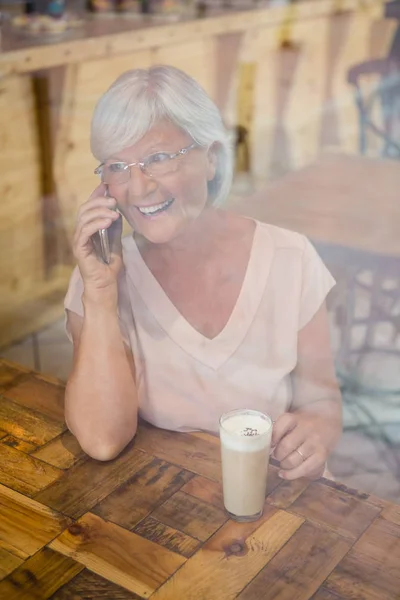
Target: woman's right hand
97,213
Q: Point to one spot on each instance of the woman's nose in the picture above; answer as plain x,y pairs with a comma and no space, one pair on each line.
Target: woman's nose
140,184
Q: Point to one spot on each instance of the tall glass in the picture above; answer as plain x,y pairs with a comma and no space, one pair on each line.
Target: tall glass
245,444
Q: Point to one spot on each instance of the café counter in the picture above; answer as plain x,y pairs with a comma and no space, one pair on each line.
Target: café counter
280,73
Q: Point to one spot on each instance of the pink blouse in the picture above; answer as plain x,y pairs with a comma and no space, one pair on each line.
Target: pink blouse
186,381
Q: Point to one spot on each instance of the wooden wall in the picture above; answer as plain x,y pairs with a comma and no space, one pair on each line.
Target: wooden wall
285,81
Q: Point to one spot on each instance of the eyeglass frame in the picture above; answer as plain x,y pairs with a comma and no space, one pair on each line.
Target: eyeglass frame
143,163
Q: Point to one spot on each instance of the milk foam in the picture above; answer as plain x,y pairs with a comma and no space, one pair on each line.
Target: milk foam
246,432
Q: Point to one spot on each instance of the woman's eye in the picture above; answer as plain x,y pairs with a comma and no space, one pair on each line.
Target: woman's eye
117,167
159,157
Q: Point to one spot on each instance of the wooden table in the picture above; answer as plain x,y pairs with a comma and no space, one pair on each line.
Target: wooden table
151,522
340,199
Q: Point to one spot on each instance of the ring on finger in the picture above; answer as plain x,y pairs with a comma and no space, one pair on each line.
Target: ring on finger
301,454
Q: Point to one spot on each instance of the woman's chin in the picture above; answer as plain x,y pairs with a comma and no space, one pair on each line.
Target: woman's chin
157,232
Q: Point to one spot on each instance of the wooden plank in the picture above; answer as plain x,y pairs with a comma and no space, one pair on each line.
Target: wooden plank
39,577
40,395
63,452
286,493
21,227
10,373
118,555
234,555
348,516
11,549
147,34
192,453
24,473
148,488
370,571
28,425
170,538
324,594
20,445
300,567
26,524
89,586
205,489
8,562
190,515
72,495
3,434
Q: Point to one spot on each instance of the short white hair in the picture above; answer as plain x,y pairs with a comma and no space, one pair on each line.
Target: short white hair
140,98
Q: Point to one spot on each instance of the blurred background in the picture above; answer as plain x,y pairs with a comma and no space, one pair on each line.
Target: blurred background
311,92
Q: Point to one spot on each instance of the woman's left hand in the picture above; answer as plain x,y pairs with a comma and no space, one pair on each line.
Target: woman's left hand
302,442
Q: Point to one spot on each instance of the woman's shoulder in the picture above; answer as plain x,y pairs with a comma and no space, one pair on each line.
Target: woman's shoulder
283,239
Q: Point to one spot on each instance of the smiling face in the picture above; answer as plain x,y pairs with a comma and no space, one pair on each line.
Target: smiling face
160,208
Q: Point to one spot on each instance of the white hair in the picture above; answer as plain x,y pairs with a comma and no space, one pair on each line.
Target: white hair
140,98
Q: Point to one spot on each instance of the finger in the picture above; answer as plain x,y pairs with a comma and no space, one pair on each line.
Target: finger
90,229
100,190
307,468
288,444
295,458
282,426
94,214
99,202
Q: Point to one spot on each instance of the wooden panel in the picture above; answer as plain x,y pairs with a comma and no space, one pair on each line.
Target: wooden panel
370,571
148,488
195,454
20,445
205,489
324,594
392,513
39,577
111,38
71,493
63,452
26,524
195,57
300,567
8,562
234,555
117,554
26,424
190,515
40,395
346,515
24,473
89,586
10,373
286,493
21,230
170,538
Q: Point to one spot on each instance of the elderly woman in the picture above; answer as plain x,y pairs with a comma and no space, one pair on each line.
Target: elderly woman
200,311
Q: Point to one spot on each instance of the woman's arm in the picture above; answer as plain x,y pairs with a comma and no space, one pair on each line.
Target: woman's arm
305,436
101,399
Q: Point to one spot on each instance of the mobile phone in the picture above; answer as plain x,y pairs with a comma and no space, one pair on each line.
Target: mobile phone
102,243
105,253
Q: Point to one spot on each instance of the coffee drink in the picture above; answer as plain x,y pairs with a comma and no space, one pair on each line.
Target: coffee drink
245,444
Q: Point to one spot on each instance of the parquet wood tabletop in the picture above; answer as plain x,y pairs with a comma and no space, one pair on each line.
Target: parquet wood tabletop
151,523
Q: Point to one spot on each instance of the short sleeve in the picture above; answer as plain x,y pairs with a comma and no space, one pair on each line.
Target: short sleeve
73,302
316,284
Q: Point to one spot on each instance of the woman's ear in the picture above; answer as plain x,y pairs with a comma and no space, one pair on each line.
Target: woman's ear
211,162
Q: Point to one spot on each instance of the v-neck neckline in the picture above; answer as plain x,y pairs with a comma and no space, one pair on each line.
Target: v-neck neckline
212,352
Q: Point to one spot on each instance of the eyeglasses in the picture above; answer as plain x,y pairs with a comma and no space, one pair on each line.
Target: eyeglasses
156,165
